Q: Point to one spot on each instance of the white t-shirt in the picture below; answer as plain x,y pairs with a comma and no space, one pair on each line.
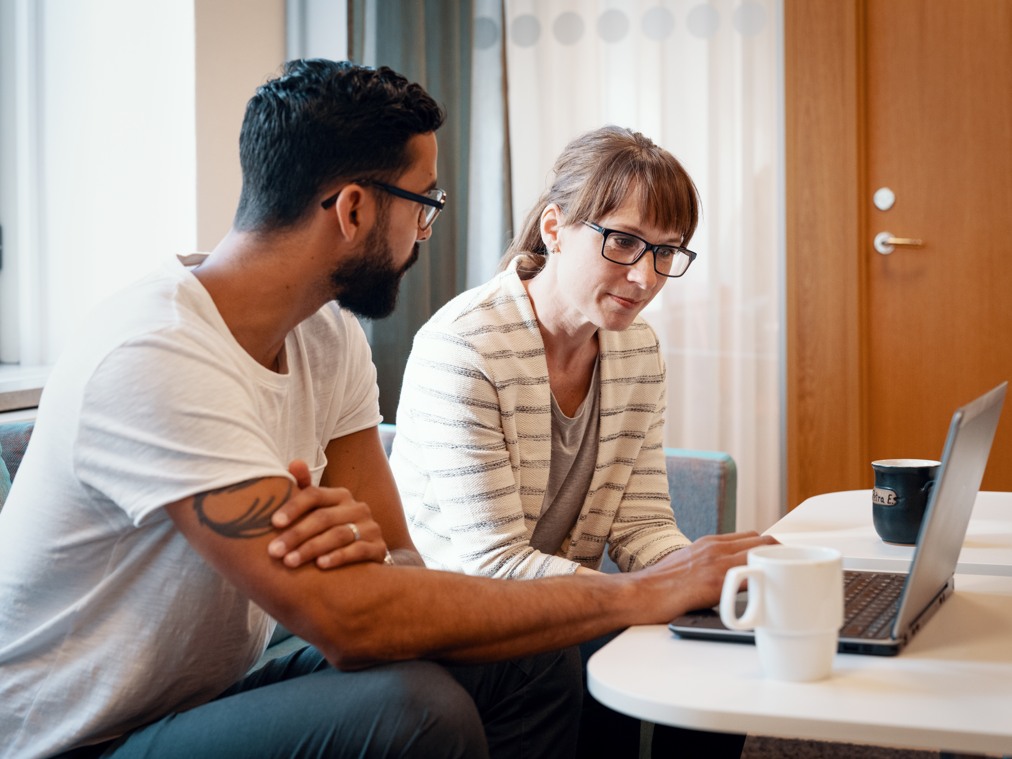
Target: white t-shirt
108,618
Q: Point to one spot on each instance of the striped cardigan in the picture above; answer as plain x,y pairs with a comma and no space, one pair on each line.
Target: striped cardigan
471,455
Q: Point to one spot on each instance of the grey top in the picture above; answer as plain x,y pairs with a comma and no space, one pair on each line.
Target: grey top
574,456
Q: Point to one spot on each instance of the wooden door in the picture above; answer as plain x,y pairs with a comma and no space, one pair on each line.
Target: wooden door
939,126
916,97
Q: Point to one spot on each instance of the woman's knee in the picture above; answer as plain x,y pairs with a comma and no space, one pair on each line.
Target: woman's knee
426,712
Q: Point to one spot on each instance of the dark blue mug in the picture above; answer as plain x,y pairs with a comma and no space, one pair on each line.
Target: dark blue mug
902,488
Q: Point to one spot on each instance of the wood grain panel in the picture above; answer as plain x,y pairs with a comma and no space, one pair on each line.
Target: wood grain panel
939,120
882,349
825,450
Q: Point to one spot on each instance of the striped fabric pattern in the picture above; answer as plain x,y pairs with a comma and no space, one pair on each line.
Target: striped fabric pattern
473,446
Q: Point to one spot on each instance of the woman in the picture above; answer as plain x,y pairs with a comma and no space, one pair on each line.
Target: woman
530,424
529,431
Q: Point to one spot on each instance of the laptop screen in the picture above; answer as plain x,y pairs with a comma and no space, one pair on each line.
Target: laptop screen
951,502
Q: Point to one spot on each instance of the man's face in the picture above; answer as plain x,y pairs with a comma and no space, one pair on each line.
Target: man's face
367,282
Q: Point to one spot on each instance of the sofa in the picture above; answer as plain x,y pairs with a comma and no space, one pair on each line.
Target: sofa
14,437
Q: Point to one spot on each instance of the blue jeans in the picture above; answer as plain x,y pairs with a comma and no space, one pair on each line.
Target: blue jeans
300,706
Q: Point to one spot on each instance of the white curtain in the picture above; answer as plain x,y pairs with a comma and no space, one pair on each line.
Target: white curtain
704,80
488,195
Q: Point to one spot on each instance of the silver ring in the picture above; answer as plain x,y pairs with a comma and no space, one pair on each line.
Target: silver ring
355,534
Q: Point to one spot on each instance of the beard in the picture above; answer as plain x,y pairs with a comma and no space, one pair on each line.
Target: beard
368,282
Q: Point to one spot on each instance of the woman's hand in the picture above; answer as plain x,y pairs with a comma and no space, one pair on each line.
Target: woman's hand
325,525
697,571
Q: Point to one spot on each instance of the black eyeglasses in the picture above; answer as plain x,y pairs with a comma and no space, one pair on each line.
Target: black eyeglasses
626,249
432,201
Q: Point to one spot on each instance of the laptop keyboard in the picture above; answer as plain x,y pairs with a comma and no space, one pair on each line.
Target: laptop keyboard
870,602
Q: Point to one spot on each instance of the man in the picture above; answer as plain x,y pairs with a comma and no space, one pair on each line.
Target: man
220,400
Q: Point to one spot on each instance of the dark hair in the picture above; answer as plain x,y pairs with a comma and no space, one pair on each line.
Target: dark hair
594,175
319,122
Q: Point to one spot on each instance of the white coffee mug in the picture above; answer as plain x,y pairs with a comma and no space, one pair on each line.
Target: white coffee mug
795,606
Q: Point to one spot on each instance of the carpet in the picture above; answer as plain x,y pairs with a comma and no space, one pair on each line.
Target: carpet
764,747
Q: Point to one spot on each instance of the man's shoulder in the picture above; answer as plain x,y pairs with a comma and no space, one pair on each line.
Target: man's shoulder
335,348
167,295
156,312
333,329
330,317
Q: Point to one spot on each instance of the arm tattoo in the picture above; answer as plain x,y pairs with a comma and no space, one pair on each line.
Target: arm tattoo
253,523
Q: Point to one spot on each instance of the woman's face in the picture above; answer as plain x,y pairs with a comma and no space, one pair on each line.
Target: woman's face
593,289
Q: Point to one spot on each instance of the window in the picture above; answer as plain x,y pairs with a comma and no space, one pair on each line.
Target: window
118,146
104,169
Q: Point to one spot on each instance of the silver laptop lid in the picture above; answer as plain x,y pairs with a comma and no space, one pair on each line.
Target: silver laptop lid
950,504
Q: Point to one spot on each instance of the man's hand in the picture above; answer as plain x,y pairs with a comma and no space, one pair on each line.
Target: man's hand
326,525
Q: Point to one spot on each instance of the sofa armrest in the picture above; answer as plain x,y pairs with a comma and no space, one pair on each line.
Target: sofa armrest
14,437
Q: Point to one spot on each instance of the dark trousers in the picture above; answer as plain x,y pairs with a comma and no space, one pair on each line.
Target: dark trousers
300,706
609,735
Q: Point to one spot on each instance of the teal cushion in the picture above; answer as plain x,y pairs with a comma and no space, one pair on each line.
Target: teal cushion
14,437
5,480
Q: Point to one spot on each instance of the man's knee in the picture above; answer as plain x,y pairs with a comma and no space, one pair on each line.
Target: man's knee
397,710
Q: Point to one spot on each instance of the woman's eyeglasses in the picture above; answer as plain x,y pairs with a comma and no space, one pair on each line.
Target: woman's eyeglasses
626,249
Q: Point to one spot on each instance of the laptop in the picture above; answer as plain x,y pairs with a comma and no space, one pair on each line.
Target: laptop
902,602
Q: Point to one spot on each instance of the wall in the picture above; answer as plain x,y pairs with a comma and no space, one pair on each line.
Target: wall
239,44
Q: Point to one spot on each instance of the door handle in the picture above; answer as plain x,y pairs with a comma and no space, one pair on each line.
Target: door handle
885,243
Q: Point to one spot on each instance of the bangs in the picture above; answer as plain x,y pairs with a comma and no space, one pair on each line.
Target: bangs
670,201
664,193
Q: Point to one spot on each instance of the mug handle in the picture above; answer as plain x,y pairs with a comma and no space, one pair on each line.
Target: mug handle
749,618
